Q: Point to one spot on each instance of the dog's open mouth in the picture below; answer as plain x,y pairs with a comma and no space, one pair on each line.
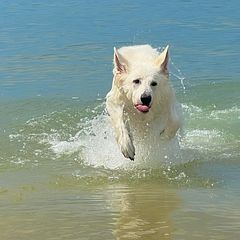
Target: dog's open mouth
142,108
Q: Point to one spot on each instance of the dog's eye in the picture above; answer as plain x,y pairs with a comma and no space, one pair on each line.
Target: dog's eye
153,84
136,81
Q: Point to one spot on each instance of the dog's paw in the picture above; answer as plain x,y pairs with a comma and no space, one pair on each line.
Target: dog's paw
127,147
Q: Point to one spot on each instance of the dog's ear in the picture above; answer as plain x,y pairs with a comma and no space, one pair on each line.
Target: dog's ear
162,60
120,64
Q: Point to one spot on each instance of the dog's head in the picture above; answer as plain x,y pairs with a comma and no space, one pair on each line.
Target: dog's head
141,74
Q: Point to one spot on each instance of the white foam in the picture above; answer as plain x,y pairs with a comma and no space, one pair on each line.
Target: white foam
100,148
94,143
65,147
192,110
203,139
230,113
97,147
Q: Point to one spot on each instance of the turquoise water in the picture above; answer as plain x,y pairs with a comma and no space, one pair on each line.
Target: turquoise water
60,169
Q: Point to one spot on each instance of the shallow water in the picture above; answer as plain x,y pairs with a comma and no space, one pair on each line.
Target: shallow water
61,173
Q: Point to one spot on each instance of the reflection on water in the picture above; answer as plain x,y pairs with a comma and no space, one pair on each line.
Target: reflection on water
38,203
213,213
118,211
144,212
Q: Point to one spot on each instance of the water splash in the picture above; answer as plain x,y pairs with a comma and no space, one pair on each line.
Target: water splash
179,75
85,139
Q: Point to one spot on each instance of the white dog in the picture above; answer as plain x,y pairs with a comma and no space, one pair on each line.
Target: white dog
141,103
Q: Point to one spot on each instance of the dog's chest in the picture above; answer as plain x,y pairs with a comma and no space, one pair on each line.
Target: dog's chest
147,131
152,146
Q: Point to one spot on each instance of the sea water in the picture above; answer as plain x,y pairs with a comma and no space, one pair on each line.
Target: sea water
62,175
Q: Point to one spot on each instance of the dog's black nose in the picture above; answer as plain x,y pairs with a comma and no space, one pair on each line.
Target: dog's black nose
146,99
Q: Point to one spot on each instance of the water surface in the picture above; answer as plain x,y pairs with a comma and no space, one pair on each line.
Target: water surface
60,174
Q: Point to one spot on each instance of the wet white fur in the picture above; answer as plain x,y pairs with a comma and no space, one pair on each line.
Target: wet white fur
134,130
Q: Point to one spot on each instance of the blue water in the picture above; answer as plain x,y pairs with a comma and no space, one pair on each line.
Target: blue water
54,44
55,70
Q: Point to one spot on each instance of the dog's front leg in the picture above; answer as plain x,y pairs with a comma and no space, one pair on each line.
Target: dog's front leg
121,129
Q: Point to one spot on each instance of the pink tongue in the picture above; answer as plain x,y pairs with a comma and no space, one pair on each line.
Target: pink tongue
142,108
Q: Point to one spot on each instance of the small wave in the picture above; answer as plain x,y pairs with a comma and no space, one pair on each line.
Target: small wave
231,113
87,138
203,139
191,109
